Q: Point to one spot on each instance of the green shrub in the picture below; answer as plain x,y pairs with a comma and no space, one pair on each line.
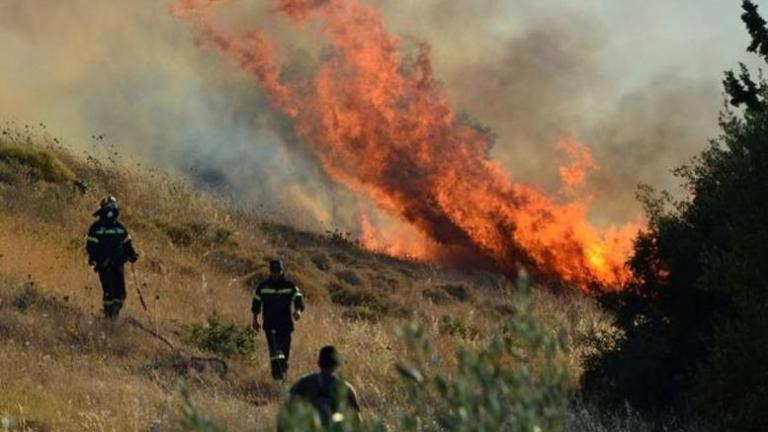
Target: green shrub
192,420
455,326
311,289
10,174
357,297
388,281
693,316
27,297
436,296
40,164
11,424
322,261
459,292
362,313
445,294
222,338
196,233
232,262
350,277
515,382
342,257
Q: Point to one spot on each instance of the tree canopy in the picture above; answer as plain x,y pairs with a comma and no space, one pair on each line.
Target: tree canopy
694,321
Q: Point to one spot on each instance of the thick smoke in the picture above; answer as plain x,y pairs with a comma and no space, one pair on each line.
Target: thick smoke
537,71
128,70
531,73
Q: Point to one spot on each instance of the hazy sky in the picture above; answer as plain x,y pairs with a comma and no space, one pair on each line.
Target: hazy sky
692,38
638,81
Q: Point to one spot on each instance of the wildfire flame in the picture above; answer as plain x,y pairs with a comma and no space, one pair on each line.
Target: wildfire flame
574,175
379,123
398,240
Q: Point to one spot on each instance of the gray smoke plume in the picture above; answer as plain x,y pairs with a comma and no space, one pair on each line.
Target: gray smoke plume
533,73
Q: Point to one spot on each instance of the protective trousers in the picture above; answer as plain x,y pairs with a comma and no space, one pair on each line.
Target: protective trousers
279,344
113,283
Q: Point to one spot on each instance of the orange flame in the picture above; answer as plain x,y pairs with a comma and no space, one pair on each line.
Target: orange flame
379,123
396,240
574,175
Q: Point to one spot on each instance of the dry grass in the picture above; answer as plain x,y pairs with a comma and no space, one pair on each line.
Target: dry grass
62,368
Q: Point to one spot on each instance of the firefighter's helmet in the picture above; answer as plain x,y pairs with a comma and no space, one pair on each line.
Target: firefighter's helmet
107,207
276,267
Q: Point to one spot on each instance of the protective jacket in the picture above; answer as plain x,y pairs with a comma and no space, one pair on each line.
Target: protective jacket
109,244
275,297
327,393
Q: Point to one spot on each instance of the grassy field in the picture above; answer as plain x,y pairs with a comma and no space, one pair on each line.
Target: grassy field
63,368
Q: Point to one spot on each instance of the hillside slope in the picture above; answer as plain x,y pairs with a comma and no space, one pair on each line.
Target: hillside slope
63,368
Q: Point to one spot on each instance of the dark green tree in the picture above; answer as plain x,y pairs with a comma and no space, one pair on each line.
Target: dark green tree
694,318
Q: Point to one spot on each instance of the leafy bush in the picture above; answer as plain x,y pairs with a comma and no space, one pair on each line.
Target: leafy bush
349,276
445,294
455,326
459,292
10,174
587,417
232,262
388,281
694,317
40,164
27,297
222,338
307,283
362,313
322,261
356,297
517,382
196,233
192,420
436,296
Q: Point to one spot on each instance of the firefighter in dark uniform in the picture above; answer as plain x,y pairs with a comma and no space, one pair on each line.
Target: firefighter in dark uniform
326,392
282,303
109,247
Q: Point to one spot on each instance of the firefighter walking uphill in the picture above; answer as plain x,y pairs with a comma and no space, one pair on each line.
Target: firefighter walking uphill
109,247
282,303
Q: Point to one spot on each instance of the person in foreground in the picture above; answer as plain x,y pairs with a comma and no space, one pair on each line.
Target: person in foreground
326,392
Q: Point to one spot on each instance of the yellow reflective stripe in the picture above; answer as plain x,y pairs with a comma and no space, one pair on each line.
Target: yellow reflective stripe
111,302
92,239
277,357
127,239
257,297
110,231
278,292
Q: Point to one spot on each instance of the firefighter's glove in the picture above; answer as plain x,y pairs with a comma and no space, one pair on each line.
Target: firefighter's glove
133,258
256,326
296,315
